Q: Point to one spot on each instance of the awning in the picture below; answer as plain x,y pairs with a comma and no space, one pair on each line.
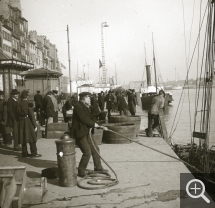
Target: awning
41,72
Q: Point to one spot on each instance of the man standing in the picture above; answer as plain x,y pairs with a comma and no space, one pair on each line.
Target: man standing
121,103
132,102
56,102
69,105
38,99
7,139
110,102
101,101
82,121
156,105
12,117
26,127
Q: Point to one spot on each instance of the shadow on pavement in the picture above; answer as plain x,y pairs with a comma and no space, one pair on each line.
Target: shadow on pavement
31,161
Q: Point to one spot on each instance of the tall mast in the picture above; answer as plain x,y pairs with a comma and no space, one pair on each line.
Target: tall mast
70,79
154,64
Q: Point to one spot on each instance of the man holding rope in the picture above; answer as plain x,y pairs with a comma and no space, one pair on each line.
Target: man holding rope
82,121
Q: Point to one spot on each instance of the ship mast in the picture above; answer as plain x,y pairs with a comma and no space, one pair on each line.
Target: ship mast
154,64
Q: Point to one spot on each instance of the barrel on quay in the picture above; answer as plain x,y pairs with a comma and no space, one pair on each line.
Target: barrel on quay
130,119
125,129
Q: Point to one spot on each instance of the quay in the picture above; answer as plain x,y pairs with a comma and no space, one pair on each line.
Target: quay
146,178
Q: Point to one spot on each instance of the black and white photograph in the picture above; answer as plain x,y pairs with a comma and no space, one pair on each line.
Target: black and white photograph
107,104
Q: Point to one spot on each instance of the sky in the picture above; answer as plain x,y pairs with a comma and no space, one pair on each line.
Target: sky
128,43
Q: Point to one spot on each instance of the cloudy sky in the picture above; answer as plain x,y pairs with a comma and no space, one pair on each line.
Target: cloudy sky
131,24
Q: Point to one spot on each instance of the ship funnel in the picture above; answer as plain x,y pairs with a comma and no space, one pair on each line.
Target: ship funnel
148,74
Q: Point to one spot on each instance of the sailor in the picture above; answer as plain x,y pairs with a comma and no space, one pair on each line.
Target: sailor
153,115
7,139
12,117
26,127
82,121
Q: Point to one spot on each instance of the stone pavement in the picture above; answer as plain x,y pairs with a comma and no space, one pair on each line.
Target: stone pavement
146,178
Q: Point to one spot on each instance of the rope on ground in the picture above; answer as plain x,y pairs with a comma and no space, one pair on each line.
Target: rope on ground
101,178
156,150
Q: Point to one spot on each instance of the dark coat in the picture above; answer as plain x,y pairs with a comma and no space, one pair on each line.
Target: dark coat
110,101
26,123
82,121
132,103
121,103
48,107
38,100
101,101
3,111
11,112
94,106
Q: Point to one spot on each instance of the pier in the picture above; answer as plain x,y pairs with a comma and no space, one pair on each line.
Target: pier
146,178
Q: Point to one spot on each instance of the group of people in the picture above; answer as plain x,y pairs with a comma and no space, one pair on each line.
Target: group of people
17,121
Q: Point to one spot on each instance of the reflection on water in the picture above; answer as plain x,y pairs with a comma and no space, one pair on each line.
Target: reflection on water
184,121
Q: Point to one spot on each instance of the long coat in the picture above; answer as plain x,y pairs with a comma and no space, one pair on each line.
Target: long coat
121,103
11,112
48,107
110,101
132,103
26,123
82,121
3,117
94,106
38,98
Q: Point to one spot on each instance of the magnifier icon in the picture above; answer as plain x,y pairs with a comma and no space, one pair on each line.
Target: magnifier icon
195,188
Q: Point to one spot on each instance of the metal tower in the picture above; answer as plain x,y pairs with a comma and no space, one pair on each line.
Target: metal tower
104,72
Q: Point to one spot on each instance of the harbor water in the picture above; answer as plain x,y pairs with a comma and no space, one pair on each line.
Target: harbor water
184,121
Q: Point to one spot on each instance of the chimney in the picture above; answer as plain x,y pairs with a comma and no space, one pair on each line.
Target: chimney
148,74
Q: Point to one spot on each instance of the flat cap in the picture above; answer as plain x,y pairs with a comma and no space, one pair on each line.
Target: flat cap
38,90
82,94
14,92
55,91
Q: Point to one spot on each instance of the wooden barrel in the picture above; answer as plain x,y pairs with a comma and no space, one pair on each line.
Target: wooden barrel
130,119
125,129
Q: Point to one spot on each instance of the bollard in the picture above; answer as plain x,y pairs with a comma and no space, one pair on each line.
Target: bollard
66,161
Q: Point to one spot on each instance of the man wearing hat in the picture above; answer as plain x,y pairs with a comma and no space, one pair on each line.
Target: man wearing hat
153,115
38,99
12,117
26,127
7,139
82,121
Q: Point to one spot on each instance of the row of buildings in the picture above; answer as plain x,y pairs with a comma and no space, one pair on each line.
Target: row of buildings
22,50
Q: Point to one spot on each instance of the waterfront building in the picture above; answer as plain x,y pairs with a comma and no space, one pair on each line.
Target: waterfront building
22,50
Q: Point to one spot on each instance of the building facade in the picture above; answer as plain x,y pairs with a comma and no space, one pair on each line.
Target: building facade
20,49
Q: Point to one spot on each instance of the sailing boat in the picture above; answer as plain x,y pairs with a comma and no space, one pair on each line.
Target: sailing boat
151,91
201,155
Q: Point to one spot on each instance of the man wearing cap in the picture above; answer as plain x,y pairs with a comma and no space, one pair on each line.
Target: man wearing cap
26,127
82,121
121,103
7,139
38,99
153,115
12,117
